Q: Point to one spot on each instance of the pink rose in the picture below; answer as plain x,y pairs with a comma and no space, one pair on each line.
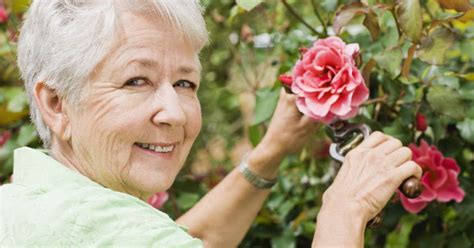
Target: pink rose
3,15
158,199
439,178
327,81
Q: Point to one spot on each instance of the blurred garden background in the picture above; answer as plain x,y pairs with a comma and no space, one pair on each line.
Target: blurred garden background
417,58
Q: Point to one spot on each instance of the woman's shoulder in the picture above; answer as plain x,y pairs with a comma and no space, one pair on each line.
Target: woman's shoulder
90,214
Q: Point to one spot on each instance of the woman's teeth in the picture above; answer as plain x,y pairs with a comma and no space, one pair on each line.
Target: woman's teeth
156,148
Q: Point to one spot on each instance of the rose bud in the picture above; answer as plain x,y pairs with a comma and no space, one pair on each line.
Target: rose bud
421,122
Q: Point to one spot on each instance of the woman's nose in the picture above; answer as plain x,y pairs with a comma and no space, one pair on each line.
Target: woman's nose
169,109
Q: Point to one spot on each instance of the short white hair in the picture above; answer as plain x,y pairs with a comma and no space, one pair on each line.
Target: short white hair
62,41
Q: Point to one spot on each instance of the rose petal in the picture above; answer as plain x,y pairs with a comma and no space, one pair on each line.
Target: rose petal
450,190
361,94
320,107
301,105
352,113
428,194
343,104
451,164
412,206
424,162
436,158
438,177
352,50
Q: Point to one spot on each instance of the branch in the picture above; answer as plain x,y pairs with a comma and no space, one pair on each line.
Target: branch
407,63
293,12
381,99
325,29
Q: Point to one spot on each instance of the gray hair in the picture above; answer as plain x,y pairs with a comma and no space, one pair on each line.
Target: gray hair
62,41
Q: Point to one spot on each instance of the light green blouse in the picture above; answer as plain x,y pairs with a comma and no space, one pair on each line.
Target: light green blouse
50,205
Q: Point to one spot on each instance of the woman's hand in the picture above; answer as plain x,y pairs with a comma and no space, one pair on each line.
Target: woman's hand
289,130
366,181
370,175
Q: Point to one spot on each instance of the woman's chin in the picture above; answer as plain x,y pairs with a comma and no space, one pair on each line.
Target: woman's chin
154,184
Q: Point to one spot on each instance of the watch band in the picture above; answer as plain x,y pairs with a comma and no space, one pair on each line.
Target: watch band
254,179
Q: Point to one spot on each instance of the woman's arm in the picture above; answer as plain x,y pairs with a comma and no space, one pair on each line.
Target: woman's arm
225,214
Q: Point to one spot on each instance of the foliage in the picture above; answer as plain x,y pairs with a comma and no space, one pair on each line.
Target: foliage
417,58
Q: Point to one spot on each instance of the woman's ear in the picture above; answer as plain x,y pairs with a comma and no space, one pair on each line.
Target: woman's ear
53,110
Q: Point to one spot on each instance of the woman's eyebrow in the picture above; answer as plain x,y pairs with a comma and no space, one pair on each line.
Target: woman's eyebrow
151,63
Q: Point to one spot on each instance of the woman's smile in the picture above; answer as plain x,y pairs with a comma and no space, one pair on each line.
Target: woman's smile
158,150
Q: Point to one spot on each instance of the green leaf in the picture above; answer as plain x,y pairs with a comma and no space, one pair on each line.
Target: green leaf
467,129
399,131
390,61
187,200
409,17
286,207
26,135
19,6
234,11
433,47
255,135
446,101
447,80
266,102
287,240
18,102
15,97
328,5
248,4
400,236
388,27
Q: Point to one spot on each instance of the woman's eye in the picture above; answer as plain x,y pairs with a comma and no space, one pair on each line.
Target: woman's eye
139,81
185,84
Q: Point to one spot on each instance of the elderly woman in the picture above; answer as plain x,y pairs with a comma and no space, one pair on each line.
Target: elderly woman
113,93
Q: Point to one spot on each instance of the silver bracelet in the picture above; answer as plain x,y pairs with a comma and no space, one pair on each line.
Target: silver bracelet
254,179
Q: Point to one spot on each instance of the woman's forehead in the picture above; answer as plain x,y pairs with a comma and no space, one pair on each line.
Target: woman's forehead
146,43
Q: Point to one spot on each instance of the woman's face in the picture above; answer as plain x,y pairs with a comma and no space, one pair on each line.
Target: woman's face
139,114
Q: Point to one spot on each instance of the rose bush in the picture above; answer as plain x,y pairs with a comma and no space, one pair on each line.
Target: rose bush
439,179
416,57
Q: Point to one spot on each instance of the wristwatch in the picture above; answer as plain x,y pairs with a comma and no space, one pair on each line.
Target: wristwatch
254,179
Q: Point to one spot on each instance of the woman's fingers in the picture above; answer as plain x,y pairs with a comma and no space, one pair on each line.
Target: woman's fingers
373,140
399,156
388,146
407,170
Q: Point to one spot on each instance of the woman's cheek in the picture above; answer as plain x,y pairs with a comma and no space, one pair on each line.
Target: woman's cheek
194,119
